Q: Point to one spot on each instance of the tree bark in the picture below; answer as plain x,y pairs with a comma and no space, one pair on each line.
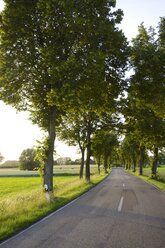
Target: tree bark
141,160
155,162
87,175
99,164
48,169
106,163
134,165
82,163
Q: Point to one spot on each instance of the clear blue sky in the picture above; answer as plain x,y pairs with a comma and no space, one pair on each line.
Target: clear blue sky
17,133
138,11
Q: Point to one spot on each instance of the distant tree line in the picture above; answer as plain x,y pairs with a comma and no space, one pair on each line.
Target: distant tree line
69,161
10,164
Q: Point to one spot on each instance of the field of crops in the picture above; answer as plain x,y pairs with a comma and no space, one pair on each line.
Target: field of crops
63,169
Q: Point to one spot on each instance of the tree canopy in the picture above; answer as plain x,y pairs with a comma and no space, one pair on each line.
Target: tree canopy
148,59
145,108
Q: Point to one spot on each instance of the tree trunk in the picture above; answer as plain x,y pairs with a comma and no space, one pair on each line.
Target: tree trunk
87,175
134,165
155,162
82,163
141,160
129,165
99,164
106,163
48,169
134,162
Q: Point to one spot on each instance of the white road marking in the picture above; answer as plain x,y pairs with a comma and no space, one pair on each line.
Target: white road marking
120,204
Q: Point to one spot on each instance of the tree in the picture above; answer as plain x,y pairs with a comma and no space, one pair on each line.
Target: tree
129,151
27,160
134,130
147,58
103,144
146,84
33,63
97,149
51,51
104,60
146,130
76,129
72,131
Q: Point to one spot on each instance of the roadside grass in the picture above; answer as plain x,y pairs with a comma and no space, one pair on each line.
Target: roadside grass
22,201
160,170
159,183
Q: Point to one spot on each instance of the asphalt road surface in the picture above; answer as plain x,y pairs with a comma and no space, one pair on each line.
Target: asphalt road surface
121,212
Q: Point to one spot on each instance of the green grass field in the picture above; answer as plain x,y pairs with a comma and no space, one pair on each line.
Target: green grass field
22,201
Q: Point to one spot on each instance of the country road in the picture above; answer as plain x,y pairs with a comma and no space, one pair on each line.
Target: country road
121,212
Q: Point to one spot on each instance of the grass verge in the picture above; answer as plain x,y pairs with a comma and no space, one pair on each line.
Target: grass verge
20,208
158,184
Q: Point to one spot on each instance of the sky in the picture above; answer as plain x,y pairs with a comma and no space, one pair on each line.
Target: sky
138,11
16,131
